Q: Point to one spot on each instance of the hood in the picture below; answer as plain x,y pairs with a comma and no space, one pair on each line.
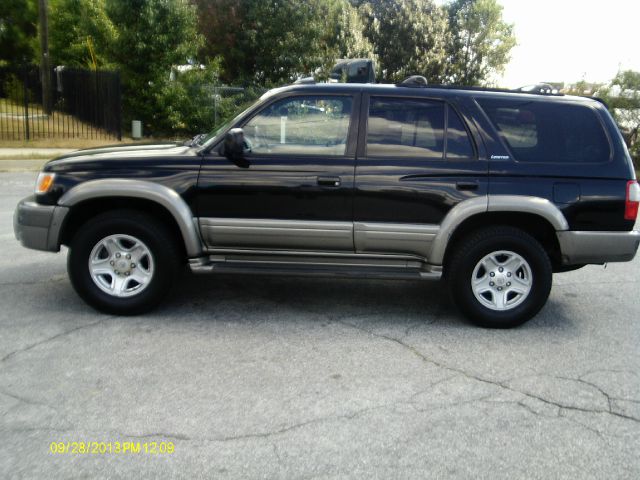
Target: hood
119,153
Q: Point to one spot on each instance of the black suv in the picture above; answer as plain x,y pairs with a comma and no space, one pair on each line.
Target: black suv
492,190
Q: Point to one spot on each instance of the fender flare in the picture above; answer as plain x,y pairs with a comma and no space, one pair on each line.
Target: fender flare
160,194
466,209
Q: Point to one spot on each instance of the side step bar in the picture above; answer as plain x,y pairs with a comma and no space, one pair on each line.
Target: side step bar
320,269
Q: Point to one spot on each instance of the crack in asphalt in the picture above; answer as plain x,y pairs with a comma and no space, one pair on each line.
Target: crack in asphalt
172,436
23,399
54,337
260,435
502,385
357,413
580,380
456,372
586,427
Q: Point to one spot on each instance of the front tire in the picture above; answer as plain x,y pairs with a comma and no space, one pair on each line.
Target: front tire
123,262
499,277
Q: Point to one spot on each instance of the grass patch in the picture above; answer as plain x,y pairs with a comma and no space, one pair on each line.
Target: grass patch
70,143
42,126
21,156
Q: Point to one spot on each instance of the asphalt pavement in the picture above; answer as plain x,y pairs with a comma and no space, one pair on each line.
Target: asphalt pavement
277,377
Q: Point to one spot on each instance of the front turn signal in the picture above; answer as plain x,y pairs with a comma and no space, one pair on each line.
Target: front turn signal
44,183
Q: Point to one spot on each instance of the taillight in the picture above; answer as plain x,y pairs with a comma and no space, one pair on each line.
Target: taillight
632,201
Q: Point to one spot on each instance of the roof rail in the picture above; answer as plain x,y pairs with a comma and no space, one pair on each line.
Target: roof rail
418,81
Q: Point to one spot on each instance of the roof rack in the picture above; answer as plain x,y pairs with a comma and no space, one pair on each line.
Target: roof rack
418,81
305,81
414,81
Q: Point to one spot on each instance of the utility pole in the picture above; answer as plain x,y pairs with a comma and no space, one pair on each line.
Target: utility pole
45,67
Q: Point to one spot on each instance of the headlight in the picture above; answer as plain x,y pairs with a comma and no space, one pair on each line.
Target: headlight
44,182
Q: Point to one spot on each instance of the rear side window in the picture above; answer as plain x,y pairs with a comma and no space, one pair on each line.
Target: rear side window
407,127
547,132
402,127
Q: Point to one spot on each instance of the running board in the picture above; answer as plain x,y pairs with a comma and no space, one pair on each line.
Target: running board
320,269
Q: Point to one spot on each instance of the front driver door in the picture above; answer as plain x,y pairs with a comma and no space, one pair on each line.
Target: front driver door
295,191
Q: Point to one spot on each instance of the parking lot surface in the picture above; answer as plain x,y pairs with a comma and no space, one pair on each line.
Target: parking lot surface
273,377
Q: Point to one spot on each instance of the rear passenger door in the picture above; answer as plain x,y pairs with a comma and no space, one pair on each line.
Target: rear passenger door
416,160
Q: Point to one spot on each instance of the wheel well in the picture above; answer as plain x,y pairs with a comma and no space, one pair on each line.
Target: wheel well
84,211
536,226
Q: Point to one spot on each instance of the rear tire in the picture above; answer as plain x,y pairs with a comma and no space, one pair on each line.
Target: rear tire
123,262
499,277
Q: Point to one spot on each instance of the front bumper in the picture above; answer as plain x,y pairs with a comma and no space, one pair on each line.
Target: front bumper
38,226
580,247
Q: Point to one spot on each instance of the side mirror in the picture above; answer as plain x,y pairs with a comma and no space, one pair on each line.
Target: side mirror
235,145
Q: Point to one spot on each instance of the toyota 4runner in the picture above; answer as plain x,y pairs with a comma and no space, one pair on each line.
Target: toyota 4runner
491,190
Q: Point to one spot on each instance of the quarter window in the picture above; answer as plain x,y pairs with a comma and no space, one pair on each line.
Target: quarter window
459,145
302,125
537,131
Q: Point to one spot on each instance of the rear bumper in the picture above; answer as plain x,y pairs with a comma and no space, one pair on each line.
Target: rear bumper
580,247
38,226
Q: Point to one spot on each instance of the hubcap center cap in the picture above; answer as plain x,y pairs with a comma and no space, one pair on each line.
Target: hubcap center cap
122,264
500,279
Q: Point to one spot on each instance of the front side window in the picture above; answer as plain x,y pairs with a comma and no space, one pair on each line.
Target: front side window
301,125
549,132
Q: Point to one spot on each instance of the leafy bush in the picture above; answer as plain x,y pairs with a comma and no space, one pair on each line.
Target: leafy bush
195,101
14,90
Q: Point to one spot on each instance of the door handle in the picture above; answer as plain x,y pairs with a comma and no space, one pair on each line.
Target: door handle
329,181
467,185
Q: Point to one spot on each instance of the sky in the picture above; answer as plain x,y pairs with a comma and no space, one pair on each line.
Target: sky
571,40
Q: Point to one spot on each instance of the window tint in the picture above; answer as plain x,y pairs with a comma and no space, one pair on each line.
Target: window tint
547,132
458,141
307,125
402,127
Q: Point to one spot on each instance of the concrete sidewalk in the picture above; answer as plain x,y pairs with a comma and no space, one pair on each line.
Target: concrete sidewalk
25,165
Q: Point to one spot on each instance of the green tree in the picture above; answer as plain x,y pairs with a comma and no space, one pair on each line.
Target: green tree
151,37
18,31
272,42
345,31
220,24
80,33
409,37
481,41
623,97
